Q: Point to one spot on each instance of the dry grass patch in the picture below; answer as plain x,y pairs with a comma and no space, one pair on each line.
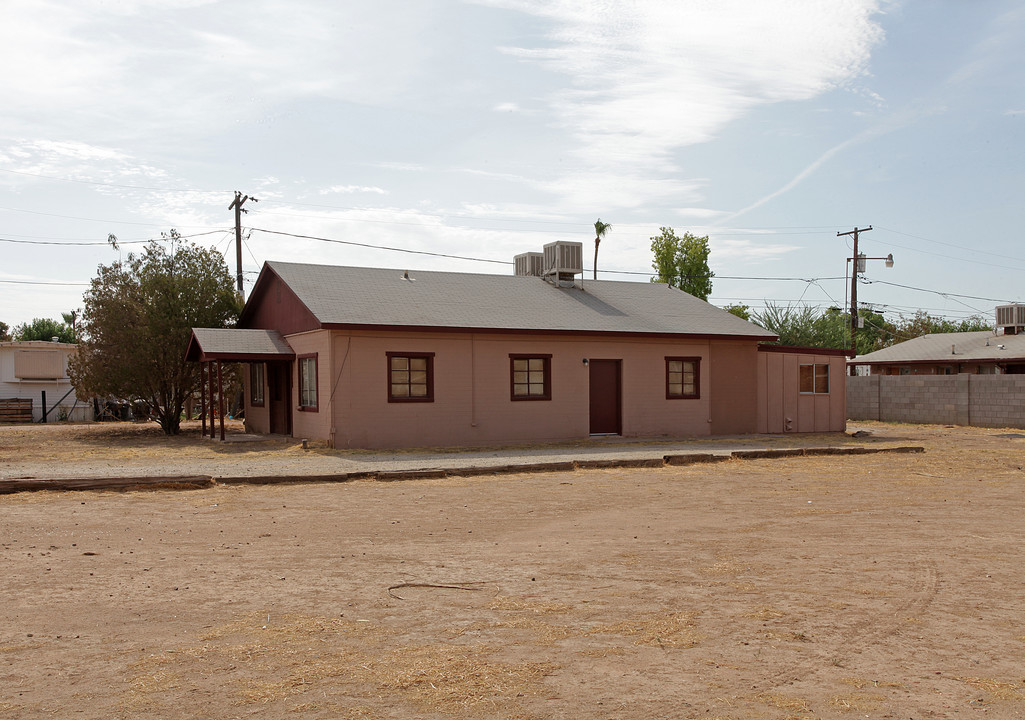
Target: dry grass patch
443,676
507,602
262,662
766,612
664,630
999,689
860,683
784,702
856,702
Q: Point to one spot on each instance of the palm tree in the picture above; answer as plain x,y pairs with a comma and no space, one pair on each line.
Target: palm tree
600,229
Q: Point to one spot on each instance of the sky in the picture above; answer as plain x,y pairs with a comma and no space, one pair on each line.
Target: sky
453,135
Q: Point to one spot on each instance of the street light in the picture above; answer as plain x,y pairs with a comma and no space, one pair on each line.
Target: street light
858,266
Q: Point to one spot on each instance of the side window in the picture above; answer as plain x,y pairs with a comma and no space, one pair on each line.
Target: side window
257,383
815,379
530,377
410,377
308,382
683,378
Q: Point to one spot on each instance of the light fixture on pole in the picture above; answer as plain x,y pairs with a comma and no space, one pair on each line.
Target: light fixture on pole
858,266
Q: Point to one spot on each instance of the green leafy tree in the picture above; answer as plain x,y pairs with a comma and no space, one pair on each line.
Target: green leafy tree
682,262
44,329
740,310
5,334
922,323
71,320
804,326
600,230
137,322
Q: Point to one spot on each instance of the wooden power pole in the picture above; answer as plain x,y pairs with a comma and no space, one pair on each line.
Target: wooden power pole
237,204
854,291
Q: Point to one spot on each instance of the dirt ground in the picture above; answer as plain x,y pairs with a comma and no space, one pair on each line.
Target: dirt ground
881,586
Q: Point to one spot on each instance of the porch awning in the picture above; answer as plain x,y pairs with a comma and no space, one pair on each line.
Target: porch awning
237,345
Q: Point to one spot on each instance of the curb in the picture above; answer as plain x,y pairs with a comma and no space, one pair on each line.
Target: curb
197,482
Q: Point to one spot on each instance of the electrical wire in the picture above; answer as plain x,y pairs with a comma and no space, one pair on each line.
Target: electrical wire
380,247
100,242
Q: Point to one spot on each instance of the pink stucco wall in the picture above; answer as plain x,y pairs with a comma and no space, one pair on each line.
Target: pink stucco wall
472,403
312,423
742,390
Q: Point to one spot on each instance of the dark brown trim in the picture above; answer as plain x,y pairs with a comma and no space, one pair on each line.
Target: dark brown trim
316,381
798,350
429,356
547,358
242,357
697,378
351,327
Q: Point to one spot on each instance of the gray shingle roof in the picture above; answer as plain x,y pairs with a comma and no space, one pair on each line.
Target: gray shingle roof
218,343
980,346
353,296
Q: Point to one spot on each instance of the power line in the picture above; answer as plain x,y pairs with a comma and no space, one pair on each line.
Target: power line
937,292
380,247
40,282
100,242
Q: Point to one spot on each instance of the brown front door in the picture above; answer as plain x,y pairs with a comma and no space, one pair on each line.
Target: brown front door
604,397
279,384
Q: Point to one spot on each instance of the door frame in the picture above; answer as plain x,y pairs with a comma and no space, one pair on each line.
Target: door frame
614,395
279,378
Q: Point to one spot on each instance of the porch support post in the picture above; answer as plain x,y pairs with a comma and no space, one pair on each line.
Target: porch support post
202,395
220,397
210,382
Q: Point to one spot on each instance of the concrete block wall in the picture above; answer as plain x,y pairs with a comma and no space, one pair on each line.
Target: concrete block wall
998,400
981,400
863,397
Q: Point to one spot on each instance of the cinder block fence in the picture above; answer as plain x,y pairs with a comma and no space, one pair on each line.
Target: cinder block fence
981,400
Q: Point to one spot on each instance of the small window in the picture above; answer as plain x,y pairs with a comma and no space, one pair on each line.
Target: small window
308,382
257,382
815,379
410,377
683,378
531,377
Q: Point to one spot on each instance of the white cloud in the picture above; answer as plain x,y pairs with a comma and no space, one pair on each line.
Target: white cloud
149,68
350,189
649,77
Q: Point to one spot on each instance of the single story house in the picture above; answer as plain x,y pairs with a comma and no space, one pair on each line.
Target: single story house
378,358
33,370
983,352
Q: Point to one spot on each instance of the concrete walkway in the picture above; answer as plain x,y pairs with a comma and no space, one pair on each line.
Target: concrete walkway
278,460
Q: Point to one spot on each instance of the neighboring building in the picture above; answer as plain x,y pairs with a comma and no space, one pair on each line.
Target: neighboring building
984,352
30,368
370,358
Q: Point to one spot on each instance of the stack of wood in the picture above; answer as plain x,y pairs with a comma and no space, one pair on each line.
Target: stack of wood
15,410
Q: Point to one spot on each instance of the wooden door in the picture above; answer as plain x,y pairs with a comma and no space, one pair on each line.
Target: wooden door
279,385
604,395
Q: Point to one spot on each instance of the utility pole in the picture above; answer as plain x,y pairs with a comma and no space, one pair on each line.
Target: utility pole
854,291
237,204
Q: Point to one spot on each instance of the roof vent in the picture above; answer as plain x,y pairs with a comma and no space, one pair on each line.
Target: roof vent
563,261
1011,318
529,263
